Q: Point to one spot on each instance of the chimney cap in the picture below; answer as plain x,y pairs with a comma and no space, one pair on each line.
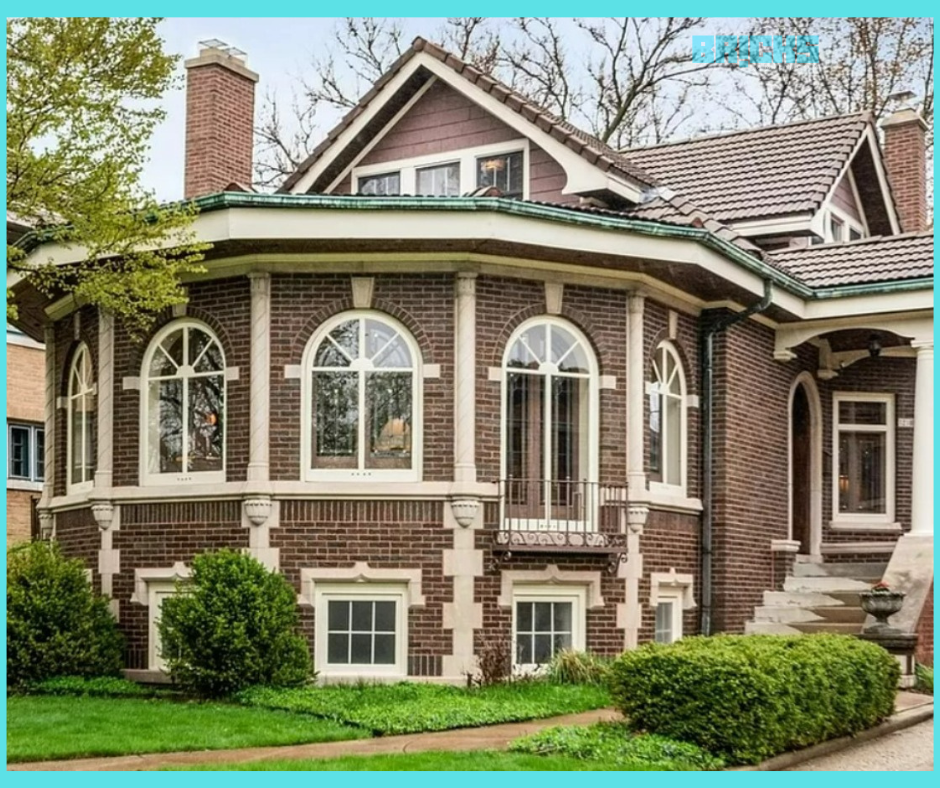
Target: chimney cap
222,46
218,52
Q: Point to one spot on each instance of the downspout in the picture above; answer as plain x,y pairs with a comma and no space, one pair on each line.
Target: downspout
708,400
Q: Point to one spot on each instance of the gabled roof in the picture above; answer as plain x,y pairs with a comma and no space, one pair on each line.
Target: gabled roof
880,259
758,173
588,147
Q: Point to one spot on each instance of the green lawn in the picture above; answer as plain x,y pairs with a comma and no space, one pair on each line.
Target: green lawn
415,708
49,727
482,761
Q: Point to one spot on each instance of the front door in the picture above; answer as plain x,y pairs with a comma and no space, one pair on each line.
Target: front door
800,466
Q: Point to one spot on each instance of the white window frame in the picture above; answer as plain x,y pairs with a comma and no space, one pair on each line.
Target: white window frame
361,473
157,591
852,520
576,595
357,591
593,425
848,223
36,463
665,488
466,157
148,478
673,597
71,485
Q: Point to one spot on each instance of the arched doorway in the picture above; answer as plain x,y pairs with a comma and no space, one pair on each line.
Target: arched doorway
805,502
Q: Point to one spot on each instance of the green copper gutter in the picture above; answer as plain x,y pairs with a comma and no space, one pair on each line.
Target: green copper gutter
228,200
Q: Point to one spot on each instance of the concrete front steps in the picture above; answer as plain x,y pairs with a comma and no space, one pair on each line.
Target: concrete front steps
817,597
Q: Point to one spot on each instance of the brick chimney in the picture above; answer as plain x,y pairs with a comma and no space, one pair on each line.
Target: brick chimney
220,116
905,160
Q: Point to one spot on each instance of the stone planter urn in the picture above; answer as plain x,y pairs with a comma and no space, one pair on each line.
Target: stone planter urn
881,603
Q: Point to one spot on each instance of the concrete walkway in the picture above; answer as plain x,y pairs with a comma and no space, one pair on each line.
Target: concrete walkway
492,737
909,750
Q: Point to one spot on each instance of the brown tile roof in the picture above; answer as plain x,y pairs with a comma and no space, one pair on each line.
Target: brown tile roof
880,259
757,173
590,148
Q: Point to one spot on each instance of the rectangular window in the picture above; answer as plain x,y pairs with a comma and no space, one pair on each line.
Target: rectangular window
504,171
385,185
667,625
836,229
863,434
26,448
440,181
546,621
361,629
854,234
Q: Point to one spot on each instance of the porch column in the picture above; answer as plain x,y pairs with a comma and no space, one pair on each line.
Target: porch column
105,391
465,366
259,390
636,475
922,478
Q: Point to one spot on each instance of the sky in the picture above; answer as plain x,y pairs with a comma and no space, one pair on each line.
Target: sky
278,50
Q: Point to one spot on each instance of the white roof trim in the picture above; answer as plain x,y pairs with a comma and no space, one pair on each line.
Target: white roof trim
582,176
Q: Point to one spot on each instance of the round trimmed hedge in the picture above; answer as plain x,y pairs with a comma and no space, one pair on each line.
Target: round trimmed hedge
748,697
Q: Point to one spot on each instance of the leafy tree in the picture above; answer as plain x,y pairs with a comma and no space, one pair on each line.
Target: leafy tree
234,625
82,103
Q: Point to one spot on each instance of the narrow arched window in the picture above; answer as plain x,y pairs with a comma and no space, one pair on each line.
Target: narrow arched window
82,421
667,397
362,400
183,407
549,427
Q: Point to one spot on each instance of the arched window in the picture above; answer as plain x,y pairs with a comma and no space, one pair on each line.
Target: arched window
183,408
667,418
549,427
82,412
362,400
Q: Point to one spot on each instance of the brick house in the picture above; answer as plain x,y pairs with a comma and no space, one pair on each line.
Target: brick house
568,396
25,383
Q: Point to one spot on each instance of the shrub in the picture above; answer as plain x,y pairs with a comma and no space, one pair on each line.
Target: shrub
924,676
612,742
494,662
56,624
578,667
746,698
234,625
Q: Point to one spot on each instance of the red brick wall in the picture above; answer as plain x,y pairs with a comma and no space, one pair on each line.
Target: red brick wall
387,535
905,161
925,632
220,114
301,303
670,541
79,537
158,535
225,306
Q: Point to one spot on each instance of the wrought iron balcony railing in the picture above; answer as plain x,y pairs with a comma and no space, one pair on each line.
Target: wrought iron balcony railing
536,515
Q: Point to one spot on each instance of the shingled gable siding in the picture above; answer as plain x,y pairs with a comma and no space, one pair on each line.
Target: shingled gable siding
844,199
158,535
444,120
224,305
301,303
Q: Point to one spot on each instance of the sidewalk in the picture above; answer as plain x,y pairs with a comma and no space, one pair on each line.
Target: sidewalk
492,737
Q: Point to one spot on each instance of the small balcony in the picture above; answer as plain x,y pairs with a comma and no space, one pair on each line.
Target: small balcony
540,516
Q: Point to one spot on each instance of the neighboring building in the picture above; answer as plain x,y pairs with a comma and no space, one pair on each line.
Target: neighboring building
25,450
571,397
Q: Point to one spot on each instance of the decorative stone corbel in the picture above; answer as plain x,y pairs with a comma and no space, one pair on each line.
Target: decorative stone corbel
46,524
257,510
636,517
103,513
465,510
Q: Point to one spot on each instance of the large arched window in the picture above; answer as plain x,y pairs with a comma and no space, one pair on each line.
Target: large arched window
667,418
183,406
549,427
362,400
81,432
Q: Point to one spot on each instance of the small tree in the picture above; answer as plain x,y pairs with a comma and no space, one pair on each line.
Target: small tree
56,624
233,625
